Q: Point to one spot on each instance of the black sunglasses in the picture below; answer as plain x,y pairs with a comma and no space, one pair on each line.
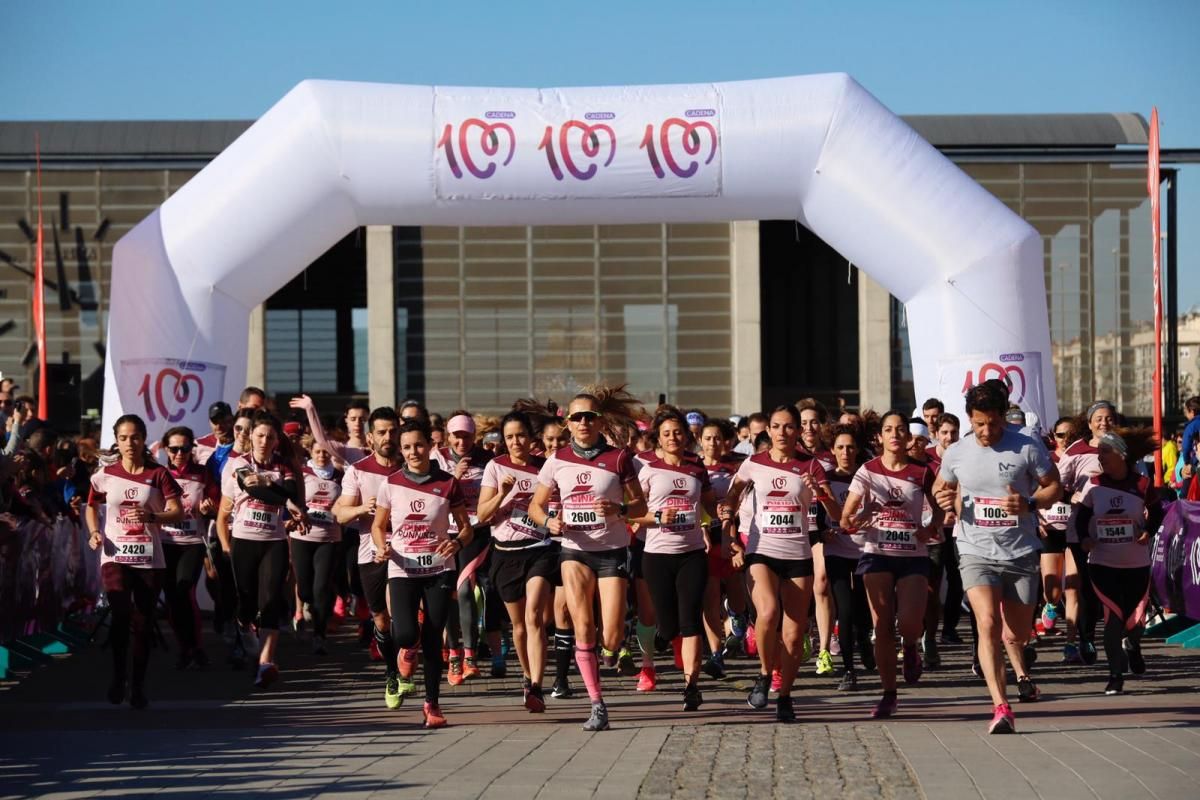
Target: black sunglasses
1058,435
186,448
580,416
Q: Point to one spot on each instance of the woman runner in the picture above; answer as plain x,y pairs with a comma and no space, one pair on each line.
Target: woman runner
599,491
715,441
784,482
842,553
886,501
525,561
412,536
1053,530
143,497
183,543
315,547
813,417
259,493
675,562
1118,511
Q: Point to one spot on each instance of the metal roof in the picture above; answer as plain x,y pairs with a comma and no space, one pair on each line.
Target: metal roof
201,140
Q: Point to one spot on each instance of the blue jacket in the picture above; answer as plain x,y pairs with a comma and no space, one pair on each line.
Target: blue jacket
1191,433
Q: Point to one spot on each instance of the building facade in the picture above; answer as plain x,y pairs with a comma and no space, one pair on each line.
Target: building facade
728,317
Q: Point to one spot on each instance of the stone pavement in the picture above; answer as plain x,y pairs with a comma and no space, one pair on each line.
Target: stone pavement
323,731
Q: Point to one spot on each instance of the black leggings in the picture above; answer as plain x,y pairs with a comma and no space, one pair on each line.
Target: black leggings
184,562
222,589
346,579
676,583
260,571
1089,604
132,594
463,627
1123,592
406,595
952,611
314,564
853,612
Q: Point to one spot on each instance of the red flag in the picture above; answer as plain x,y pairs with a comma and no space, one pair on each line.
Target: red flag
1152,179
39,291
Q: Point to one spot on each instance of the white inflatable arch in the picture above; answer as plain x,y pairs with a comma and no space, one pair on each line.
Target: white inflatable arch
331,156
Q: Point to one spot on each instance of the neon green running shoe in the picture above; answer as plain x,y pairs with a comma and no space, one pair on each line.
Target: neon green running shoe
824,663
806,653
391,693
406,686
625,665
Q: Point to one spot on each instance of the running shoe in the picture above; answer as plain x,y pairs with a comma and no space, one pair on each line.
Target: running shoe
454,676
751,643
535,700
405,685
951,637
499,668
561,690
647,680
339,608
407,662
137,698
470,670
1049,617
1087,651
849,682
835,645
824,663
318,646
734,646
784,710
1133,655
1039,632
374,648
267,674
886,706
116,691
433,716
931,657
306,612
912,664
692,697
976,667
625,663
806,651
776,680
1027,690
598,721
391,692
714,667
298,624
1071,654
758,694
1003,720
1116,685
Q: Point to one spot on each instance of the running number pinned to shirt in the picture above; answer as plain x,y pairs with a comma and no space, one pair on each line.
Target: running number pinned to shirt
522,523
1058,514
897,530
1114,530
991,512
136,550
261,516
780,519
582,517
421,556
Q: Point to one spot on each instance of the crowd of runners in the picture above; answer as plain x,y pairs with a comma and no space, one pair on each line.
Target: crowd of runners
602,534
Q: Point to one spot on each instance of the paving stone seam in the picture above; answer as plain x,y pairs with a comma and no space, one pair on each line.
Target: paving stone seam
1103,757
965,768
1033,741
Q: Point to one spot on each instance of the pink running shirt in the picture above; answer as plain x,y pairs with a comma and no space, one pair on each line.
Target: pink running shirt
580,483
132,544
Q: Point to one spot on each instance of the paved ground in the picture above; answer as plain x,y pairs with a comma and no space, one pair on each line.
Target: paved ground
323,731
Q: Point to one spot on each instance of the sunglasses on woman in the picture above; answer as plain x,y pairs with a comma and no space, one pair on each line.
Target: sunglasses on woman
581,416
175,450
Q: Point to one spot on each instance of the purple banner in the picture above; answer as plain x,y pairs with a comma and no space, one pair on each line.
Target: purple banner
1175,560
46,573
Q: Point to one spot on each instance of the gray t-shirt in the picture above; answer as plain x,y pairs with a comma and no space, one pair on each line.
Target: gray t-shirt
983,475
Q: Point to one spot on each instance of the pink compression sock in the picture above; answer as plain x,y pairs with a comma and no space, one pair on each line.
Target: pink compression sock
589,669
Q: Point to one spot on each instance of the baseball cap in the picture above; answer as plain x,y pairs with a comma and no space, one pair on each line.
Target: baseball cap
292,428
219,410
460,424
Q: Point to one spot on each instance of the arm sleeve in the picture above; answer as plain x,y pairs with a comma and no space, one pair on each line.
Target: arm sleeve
97,496
491,477
167,485
947,470
456,497
625,470
546,474
384,498
860,484
1084,514
1040,460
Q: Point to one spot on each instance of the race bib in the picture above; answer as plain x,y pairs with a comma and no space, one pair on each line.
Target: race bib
990,513
1114,530
812,516
897,531
420,556
321,516
685,520
134,550
1058,514
582,518
261,517
523,524
780,520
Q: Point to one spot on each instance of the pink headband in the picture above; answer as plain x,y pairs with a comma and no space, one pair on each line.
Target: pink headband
461,423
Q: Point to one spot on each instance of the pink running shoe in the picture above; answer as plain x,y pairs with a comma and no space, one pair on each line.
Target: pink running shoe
1003,720
647,680
751,643
776,680
339,608
885,707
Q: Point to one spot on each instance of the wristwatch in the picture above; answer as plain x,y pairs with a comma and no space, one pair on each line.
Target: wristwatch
658,517
623,509
1031,501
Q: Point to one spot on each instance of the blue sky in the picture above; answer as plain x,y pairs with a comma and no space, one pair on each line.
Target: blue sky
220,60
